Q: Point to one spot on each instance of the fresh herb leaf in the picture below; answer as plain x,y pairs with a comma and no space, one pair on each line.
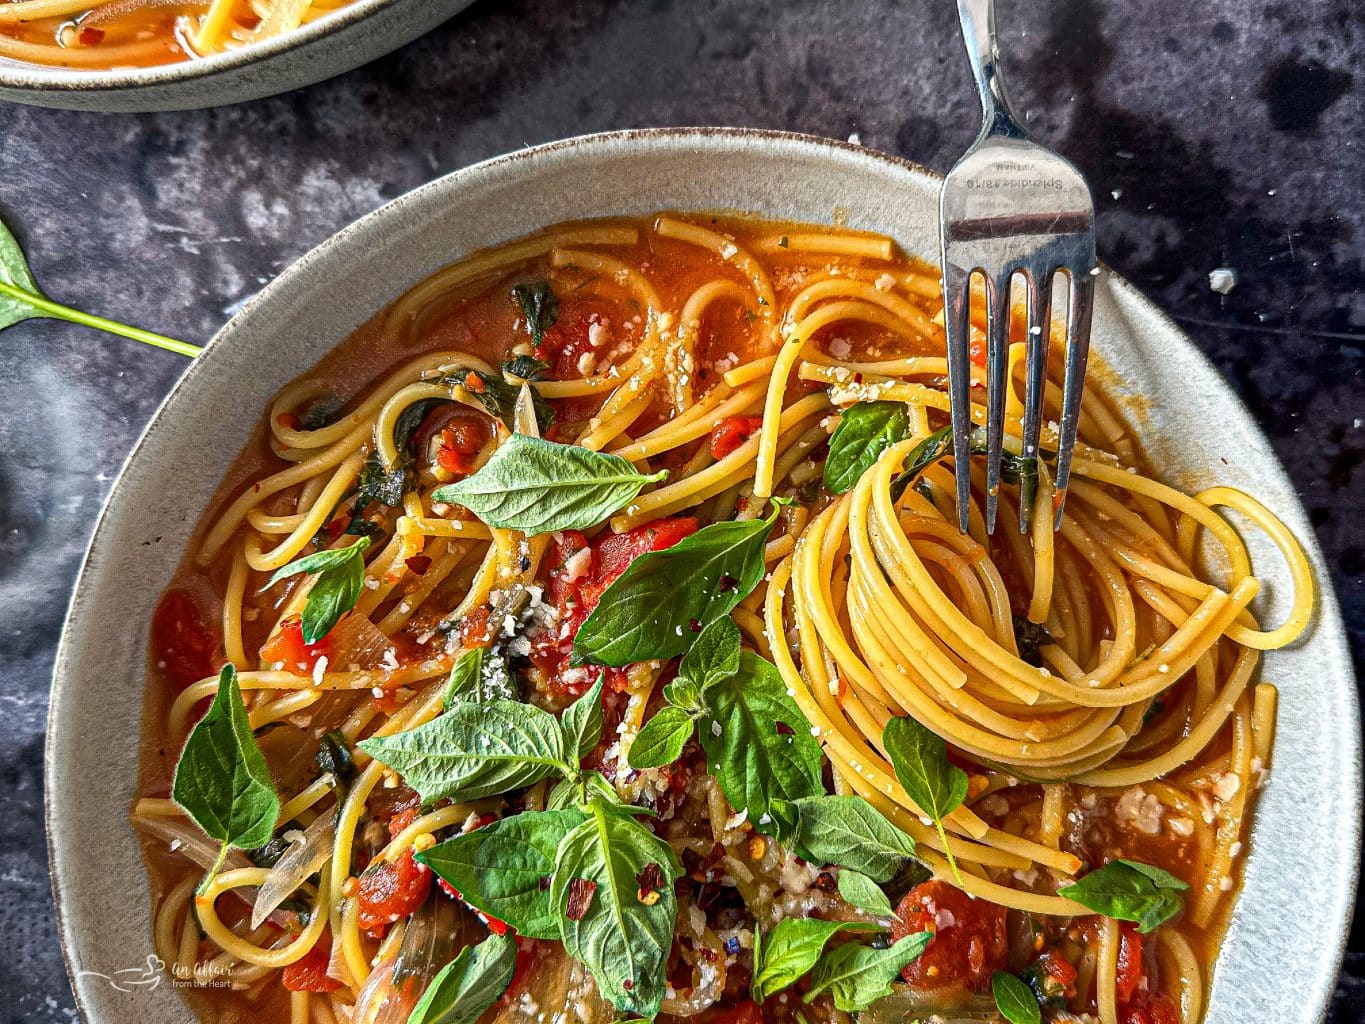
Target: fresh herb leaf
662,738
221,780
936,785
862,892
321,412
539,307
685,694
318,561
613,892
790,950
1014,469
865,430
1014,999
1028,638
714,657
21,299
525,368
504,868
580,790
1129,890
334,756
920,458
857,975
476,750
664,598
582,720
411,418
340,578
758,744
847,831
466,678
469,984
377,484
539,486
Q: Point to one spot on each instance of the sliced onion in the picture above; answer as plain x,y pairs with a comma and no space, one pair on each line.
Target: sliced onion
374,994
906,1003
121,8
186,840
288,752
304,858
357,641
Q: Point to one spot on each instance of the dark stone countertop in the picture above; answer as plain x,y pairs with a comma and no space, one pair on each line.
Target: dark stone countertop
1225,133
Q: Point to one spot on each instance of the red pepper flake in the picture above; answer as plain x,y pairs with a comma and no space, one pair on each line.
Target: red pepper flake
783,729
419,564
92,37
728,582
627,984
650,881
474,384
694,625
545,884
580,898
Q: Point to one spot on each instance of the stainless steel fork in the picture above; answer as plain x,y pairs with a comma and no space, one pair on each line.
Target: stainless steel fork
1011,206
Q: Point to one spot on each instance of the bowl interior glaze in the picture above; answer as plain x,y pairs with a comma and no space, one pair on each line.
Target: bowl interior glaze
1301,868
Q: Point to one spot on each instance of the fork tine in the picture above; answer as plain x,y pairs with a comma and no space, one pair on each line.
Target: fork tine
1035,371
957,323
1077,352
997,365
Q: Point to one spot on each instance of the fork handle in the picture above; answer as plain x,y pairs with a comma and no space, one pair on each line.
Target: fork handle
978,33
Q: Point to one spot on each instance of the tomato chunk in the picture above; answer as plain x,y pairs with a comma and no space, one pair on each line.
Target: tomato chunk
185,648
1150,1008
744,1012
286,647
732,432
969,940
1129,972
309,974
391,891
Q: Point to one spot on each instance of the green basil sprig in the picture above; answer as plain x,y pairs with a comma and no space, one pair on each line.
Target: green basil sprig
1014,469
856,976
847,831
539,486
612,891
499,396
221,780
479,675
936,785
1014,999
862,892
1129,890
503,868
758,744
865,430
791,949
469,984
657,606
341,577
539,306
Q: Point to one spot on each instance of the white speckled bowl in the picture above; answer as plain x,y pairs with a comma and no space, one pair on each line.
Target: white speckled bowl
338,42
1301,868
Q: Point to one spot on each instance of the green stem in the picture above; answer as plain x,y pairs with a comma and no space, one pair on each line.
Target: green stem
55,309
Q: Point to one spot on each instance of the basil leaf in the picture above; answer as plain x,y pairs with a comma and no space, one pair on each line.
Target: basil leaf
1028,638
580,790
857,975
865,430
539,486
920,758
499,396
1129,890
466,678
503,868
539,306
319,561
662,739
685,694
790,950
582,720
714,656
921,457
613,892
525,368
476,750
664,598
221,780
332,595
758,744
469,984
860,891
850,832
1014,999
334,756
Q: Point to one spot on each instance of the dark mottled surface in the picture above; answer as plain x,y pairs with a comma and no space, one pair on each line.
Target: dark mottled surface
1224,133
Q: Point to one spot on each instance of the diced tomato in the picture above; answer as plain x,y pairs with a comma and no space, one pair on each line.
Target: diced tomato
90,36
1129,971
403,819
743,1012
976,350
495,926
615,551
1149,1008
527,955
185,648
732,432
287,647
460,446
309,974
390,891
969,940
1052,978
563,345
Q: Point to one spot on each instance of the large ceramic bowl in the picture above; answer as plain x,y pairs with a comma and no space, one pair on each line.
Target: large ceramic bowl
338,42
1301,870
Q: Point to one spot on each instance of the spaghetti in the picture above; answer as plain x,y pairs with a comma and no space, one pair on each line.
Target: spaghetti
1093,692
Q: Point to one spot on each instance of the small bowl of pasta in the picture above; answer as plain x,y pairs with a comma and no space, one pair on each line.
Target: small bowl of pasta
545,602
127,56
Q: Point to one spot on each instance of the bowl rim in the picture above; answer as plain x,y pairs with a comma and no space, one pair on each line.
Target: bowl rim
48,79
1326,611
